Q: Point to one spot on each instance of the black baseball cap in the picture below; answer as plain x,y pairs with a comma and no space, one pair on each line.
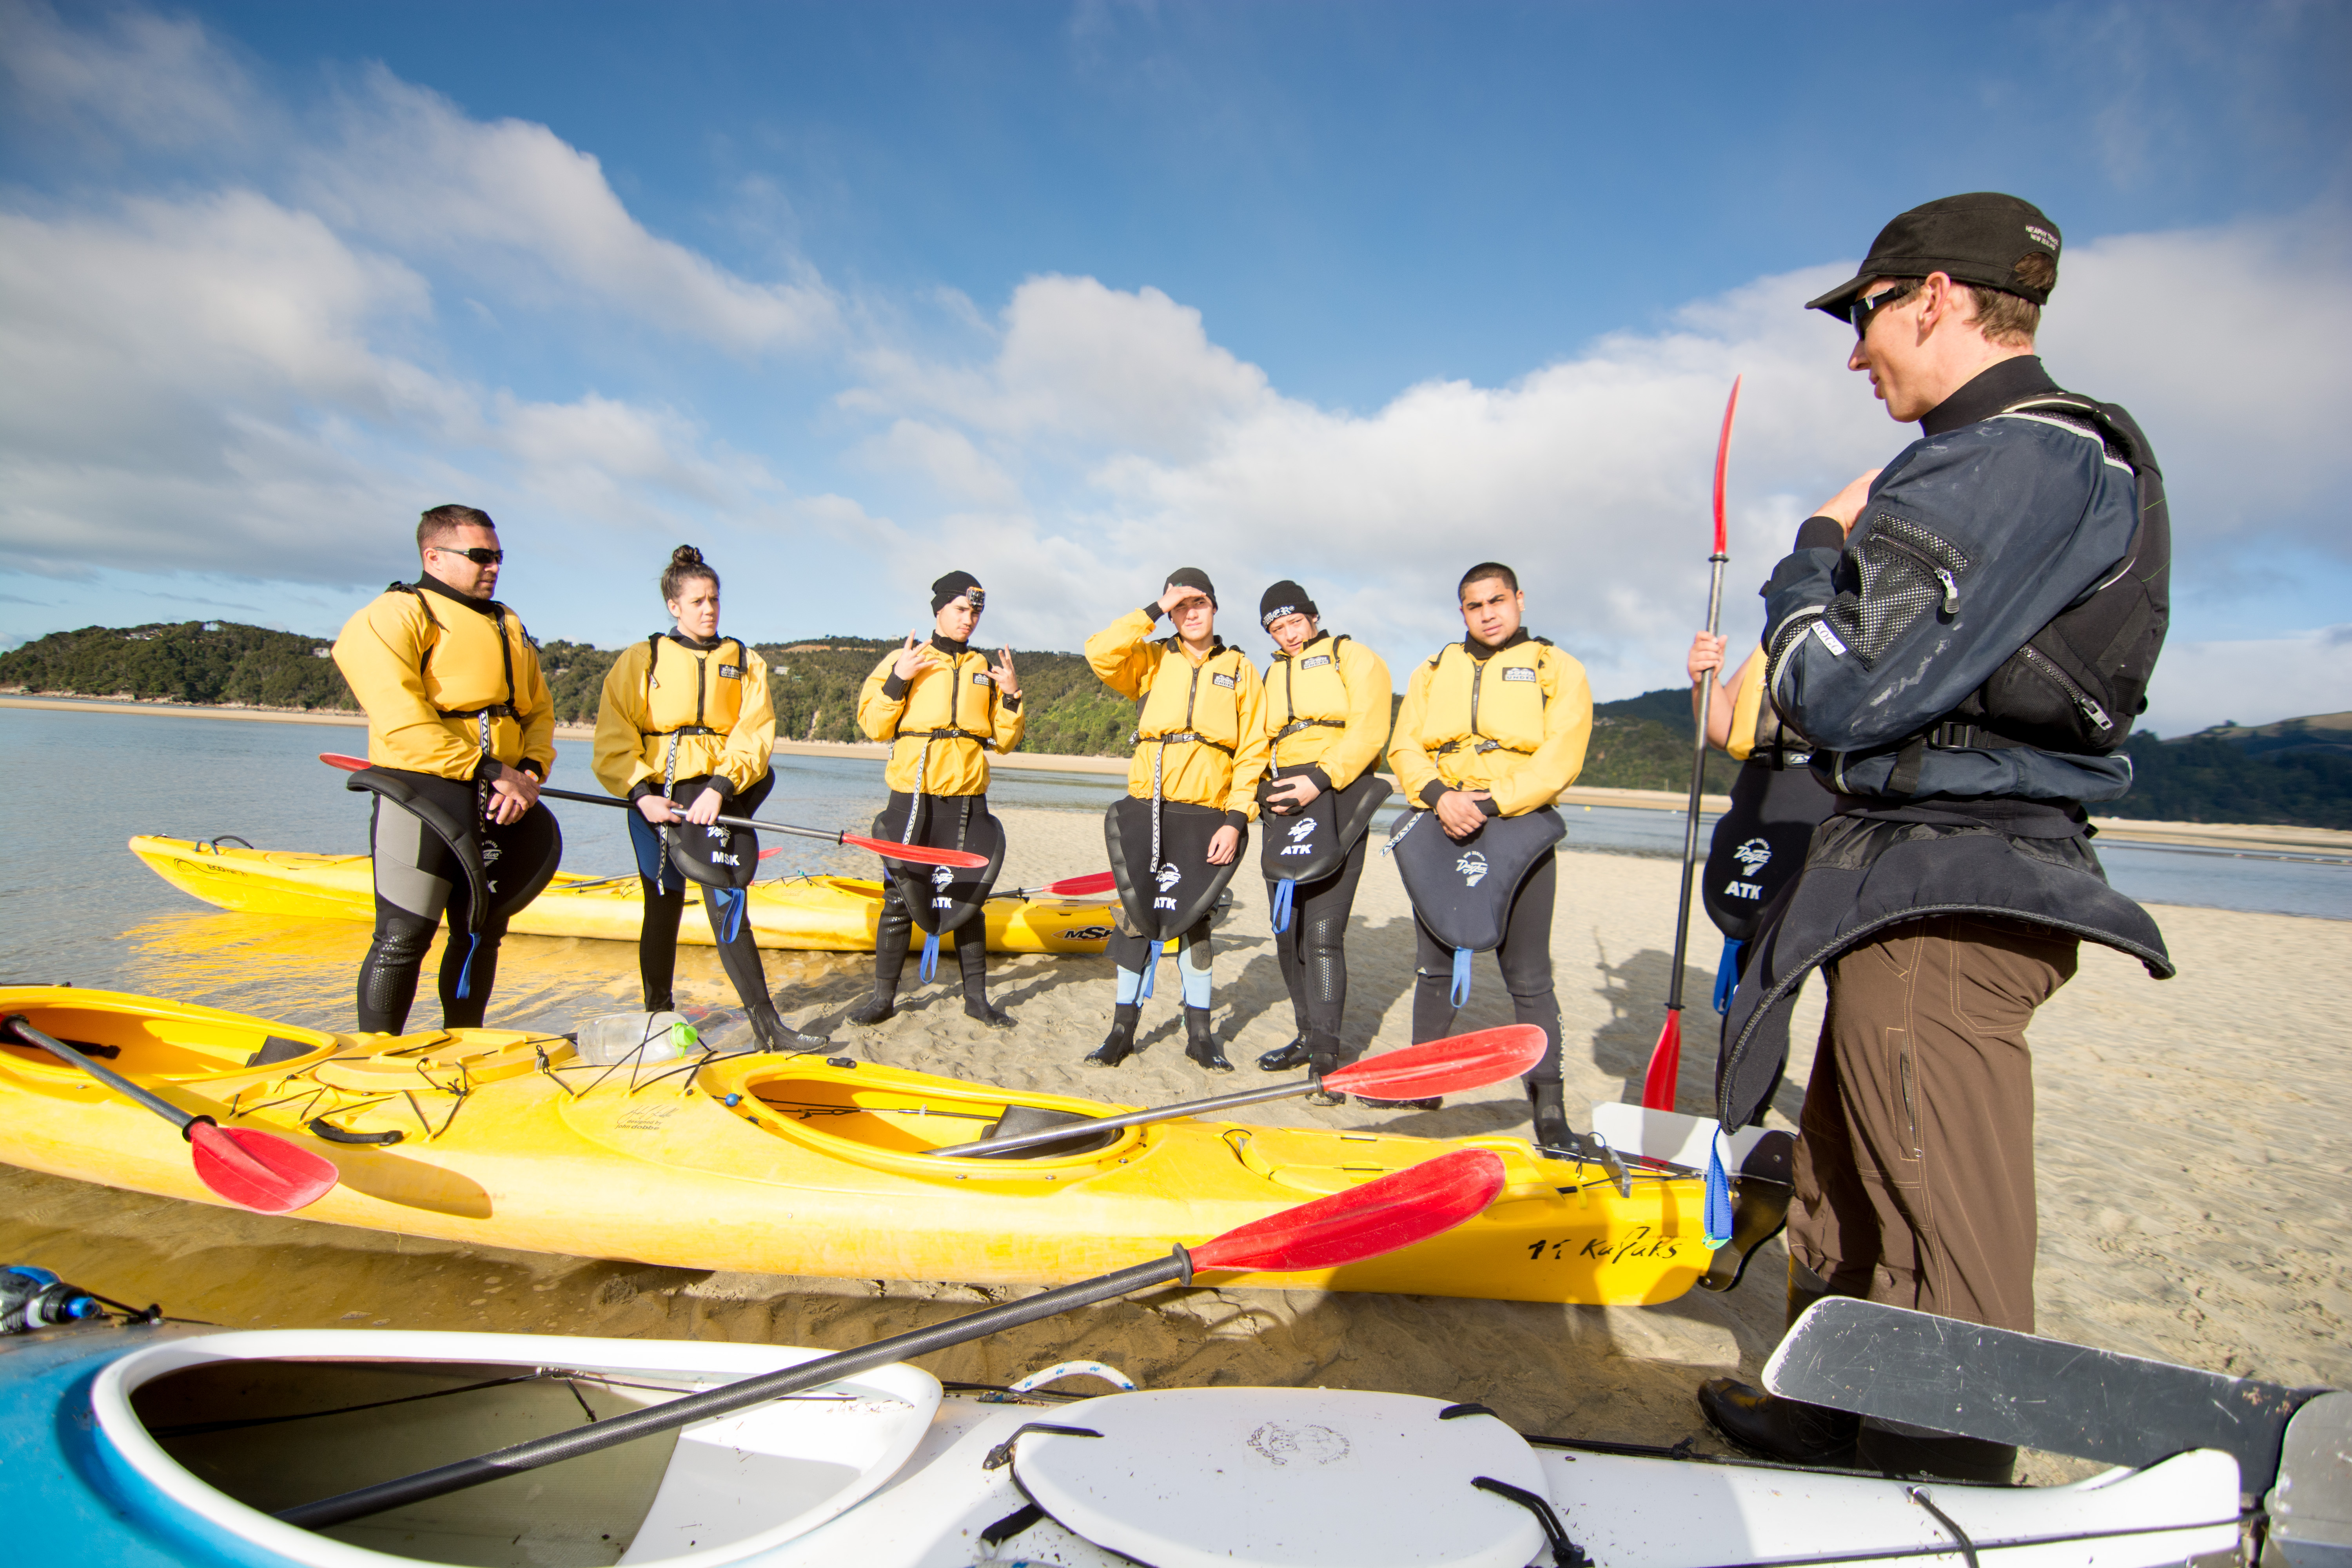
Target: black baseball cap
1978,240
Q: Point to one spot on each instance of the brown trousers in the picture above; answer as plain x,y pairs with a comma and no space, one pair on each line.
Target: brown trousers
1915,1160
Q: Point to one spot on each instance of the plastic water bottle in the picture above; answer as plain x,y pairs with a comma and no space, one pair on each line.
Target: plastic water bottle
34,1298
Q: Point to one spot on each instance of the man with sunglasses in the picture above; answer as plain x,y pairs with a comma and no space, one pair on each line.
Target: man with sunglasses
1962,638
461,733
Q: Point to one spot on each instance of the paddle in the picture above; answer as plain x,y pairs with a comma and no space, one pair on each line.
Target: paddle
2002,1386
254,1170
1085,887
1416,1072
624,876
1666,1057
1397,1210
922,855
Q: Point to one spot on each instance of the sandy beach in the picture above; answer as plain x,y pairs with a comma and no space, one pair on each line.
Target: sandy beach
2191,1144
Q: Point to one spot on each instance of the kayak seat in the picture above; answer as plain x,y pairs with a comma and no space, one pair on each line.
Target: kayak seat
1019,1119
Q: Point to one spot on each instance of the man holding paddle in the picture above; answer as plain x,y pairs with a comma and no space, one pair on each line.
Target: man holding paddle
461,733
1963,656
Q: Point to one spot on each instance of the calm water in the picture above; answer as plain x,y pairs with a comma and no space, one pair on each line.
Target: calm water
80,907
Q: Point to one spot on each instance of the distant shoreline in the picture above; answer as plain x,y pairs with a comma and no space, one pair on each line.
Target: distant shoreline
2200,835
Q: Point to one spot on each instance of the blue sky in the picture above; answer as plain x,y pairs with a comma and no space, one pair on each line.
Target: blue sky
1070,295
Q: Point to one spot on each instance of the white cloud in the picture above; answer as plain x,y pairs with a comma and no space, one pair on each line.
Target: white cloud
155,82
2254,681
948,459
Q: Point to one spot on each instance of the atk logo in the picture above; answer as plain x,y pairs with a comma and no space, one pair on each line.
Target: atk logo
1302,830
490,852
942,876
1168,877
1473,867
1753,856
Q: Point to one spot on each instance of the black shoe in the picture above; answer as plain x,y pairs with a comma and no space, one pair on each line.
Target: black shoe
769,1028
1201,1041
994,1017
1285,1058
1370,1104
876,1009
1786,1429
1941,1459
1120,1044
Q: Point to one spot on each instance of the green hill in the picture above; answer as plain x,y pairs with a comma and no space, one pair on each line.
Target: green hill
2297,772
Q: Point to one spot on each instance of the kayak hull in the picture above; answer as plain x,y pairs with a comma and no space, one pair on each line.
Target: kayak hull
824,914
887,1471
785,1164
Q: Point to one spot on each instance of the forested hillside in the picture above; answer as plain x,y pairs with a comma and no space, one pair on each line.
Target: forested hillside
2297,772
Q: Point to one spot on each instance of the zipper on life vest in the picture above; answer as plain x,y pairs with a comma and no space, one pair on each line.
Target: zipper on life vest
2043,665
1478,674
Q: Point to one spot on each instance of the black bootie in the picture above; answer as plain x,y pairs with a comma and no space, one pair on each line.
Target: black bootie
1201,1041
1778,1428
891,936
1547,1103
1120,1044
971,958
769,1028
1285,1058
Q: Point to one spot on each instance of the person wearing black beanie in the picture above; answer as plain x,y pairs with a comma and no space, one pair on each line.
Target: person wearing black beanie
1177,836
941,707
1327,720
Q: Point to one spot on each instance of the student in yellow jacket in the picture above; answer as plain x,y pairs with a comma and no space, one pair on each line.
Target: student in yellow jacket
1327,720
461,733
941,706
1496,726
1191,790
684,732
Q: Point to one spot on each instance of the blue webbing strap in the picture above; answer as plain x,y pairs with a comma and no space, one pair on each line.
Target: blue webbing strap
1150,970
930,964
731,899
1727,973
1461,992
466,973
1718,1194
1282,895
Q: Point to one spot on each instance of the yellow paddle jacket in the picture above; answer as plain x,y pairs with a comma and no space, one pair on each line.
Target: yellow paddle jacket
1216,707
939,721
427,663
1515,723
1328,706
713,700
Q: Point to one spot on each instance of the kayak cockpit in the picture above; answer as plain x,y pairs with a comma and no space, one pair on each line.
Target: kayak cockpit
143,1040
231,1428
881,1116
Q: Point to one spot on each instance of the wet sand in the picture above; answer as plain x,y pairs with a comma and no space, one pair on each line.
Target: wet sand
2191,1144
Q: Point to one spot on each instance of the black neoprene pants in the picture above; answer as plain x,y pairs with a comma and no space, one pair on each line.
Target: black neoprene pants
396,957
1526,960
657,931
1313,952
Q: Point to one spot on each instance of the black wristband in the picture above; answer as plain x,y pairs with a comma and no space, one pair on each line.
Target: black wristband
1432,793
894,687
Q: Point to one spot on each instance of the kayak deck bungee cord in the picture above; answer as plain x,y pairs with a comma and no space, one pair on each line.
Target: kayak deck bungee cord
834,914
786,1165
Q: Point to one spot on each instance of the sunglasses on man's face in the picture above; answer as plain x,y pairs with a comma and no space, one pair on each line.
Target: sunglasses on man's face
1861,310
478,555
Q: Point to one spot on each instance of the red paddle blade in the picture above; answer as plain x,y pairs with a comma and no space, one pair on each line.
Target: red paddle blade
1723,462
258,1170
1399,1209
1081,887
921,854
1443,1066
337,760
1666,1064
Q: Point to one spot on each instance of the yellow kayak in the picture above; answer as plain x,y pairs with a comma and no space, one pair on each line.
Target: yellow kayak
834,914
779,1164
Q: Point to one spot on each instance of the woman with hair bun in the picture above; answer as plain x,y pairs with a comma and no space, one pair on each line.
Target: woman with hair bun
683,734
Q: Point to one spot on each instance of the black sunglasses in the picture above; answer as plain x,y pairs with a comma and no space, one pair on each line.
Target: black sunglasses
478,554
1860,311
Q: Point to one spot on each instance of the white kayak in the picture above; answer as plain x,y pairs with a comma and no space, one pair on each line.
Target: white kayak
165,1446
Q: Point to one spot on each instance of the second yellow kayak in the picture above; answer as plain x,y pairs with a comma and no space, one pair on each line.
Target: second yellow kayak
828,914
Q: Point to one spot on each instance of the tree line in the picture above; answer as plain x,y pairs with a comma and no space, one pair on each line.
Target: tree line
1640,742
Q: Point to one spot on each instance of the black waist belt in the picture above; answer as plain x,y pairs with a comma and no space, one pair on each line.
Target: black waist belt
497,710
1297,724
1955,735
688,730
943,735
1192,735
1483,747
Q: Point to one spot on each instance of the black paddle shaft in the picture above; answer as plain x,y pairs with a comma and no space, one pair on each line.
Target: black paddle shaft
600,1435
1131,1119
1697,786
722,821
22,1027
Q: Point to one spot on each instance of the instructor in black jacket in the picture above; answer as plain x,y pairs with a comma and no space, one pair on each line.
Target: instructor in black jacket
1963,637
